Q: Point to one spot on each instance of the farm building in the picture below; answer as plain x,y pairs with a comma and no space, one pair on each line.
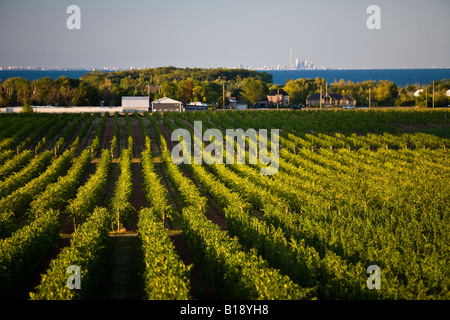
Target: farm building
166,105
237,103
139,104
262,103
195,106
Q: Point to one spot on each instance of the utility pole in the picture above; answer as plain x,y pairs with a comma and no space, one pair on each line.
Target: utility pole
369,97
433,94
223,93
426,97
320,101
278,97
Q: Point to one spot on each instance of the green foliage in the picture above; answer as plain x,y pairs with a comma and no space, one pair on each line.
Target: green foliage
254,90
186,83
85,251
349,201
88,195
20,178
300,89
121,207
244,274
405,101
26,108
58,193
166,276
21,253
385,93
16,203
16,163
353,189
155,191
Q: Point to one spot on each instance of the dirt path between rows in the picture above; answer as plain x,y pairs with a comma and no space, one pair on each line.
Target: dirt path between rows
138,138
138,198
120,278
107,134
90,135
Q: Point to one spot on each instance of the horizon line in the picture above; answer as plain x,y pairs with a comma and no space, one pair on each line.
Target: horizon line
130,68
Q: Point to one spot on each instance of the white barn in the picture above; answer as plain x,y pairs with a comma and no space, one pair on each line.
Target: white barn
166,105
139,104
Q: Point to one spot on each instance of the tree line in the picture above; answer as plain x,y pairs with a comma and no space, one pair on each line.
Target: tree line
211,86
107,88
381,93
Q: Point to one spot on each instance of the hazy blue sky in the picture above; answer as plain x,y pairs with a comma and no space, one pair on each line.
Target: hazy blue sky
212,33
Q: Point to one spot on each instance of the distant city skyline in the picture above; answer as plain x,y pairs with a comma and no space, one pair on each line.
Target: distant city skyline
257,34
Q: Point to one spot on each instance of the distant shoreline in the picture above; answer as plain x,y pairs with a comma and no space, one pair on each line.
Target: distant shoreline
401,77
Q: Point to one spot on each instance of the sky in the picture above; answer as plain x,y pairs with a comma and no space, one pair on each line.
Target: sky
227,33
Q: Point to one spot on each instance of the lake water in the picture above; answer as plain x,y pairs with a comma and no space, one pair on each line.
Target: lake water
38,74
401,77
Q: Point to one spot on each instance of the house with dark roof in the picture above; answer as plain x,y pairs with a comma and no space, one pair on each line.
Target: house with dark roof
348,101
313,100
330,99
278,98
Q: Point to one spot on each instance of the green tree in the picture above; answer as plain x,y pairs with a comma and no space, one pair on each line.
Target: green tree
3,98
64,85
168,89
386,92
441,100
18,90
405,100
300,89
253,90
206,92
26,107
185,90
41,89
423,99
199,93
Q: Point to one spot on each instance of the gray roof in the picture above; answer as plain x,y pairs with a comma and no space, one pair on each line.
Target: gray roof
336,96
275,92
136,98
347,97
314,96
